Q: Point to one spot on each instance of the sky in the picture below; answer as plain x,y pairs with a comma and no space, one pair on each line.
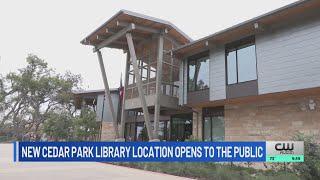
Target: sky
53,29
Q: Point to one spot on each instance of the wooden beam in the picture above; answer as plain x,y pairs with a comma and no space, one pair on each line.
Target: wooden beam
139,27
139,85
177,44
158,86
114,37
136,37
123,109
107,94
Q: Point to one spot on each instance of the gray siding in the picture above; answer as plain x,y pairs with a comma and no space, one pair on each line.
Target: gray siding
217,77
106,113
289,58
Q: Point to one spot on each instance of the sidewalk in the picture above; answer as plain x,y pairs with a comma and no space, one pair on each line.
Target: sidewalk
73,170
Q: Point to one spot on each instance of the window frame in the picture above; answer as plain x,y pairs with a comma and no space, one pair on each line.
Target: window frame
195,58
211,113
235,46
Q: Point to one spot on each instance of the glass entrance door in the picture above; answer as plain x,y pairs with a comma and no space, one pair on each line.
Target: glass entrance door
181,127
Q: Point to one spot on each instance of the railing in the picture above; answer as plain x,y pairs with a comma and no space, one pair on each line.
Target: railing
150,88
170,89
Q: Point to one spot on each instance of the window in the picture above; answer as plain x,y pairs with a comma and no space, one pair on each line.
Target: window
213,124
241,61
198,73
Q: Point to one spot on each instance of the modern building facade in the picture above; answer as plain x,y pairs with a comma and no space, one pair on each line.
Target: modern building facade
258,80
96,101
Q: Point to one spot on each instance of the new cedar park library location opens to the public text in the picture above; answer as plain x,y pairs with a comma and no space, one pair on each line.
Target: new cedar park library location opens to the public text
142,152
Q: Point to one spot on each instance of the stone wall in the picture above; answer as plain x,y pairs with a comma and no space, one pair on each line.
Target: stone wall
272,120
276,119
107,133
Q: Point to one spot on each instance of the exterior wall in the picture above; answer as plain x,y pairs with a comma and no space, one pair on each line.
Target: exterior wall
107,132
198,96
288,58
217,75
197,124
272,120
106,112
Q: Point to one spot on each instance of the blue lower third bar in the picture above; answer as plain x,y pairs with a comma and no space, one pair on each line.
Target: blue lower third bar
143,151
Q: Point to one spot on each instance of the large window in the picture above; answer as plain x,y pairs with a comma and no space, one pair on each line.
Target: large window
198,73
213,124
213,128
241,61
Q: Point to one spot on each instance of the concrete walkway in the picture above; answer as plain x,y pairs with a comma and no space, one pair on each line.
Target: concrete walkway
73,170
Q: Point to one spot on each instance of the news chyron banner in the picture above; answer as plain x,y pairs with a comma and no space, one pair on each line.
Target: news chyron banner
270,151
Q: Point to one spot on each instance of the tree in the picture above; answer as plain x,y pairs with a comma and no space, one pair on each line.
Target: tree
32,93
2,97
85,126
58,126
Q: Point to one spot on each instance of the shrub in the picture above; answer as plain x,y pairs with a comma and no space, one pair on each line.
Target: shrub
310,168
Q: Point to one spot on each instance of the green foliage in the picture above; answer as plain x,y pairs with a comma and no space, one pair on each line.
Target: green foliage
63,126
58,126
85,126
2,95
29,95
310,168
211,171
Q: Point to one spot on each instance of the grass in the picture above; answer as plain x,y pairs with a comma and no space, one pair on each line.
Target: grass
211,171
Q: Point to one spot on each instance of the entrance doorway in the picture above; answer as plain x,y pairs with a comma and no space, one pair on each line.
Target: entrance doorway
181,127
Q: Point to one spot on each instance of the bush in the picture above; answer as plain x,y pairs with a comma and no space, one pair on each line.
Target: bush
211,171
310,168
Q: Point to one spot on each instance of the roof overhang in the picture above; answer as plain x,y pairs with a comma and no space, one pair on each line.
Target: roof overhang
89,96
141,27
284,14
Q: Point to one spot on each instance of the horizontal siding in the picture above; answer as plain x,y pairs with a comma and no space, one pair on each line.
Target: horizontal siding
289,58
106,112
217,75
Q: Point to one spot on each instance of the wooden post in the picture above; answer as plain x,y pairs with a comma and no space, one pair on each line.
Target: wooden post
123,109
139,85
107,94
158,87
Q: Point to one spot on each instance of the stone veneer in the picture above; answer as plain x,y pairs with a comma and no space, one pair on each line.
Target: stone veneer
107,133
197,123
268,120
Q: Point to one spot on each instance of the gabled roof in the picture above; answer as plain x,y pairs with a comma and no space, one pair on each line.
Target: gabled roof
291,12
111,26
